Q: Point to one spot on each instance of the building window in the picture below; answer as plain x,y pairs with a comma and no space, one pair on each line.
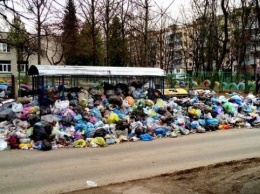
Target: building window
5,67
4,48
22,67
249,47
24,49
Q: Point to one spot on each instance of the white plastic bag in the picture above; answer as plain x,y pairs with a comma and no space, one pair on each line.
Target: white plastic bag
17,107
148,85
3,144
91,183
62,104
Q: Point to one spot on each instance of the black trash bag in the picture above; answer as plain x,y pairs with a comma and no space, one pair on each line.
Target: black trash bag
122,125
101,132
33,118
138,132
39,132
45,110
73,103
6,113
5,106
116,100
67,120
46,145
78,109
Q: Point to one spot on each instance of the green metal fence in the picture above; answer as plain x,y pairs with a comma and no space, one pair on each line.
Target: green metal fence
228,77
219,81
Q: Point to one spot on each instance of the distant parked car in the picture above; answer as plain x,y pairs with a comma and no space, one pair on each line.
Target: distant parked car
9,91
6,90
25,90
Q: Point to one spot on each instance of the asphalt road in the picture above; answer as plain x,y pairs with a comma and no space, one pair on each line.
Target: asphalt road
63,170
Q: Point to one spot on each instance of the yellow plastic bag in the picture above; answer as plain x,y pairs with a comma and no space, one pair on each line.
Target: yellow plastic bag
80,143
195,112
83,102
149,102
99,141
25,145
150,112
112,118
159,102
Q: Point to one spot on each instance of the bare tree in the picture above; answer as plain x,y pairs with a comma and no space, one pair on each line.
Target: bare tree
9,7
108,10
52,46
40,11
140,19
124,16
257,9
211,35
200,33
89,9
162,20
224,7
242,19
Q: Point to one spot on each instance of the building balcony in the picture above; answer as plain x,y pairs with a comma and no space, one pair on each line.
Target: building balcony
250,61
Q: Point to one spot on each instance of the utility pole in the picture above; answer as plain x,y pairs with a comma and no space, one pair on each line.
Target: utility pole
19,74
256,69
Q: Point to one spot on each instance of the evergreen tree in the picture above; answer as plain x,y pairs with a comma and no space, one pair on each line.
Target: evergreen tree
87,57
118,53
70,35
18,37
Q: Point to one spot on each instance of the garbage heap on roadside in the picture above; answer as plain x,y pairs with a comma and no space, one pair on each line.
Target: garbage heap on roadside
99,117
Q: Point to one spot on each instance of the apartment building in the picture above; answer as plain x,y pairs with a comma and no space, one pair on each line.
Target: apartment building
8,57
252,55
178,49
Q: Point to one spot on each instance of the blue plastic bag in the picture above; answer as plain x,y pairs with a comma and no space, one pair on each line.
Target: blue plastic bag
202,122
217,109
146,137
212,122
77,118
160,131
96,113
194,124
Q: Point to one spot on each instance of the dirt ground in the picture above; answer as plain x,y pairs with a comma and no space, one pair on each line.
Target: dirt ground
224,178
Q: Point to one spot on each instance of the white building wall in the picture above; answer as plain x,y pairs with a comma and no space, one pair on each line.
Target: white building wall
11,57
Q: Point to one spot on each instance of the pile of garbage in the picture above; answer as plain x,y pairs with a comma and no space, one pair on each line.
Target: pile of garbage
98,118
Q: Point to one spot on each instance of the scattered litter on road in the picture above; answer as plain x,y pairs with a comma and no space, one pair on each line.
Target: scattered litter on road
91,183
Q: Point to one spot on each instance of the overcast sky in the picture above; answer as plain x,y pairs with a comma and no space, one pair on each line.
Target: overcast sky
175,8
